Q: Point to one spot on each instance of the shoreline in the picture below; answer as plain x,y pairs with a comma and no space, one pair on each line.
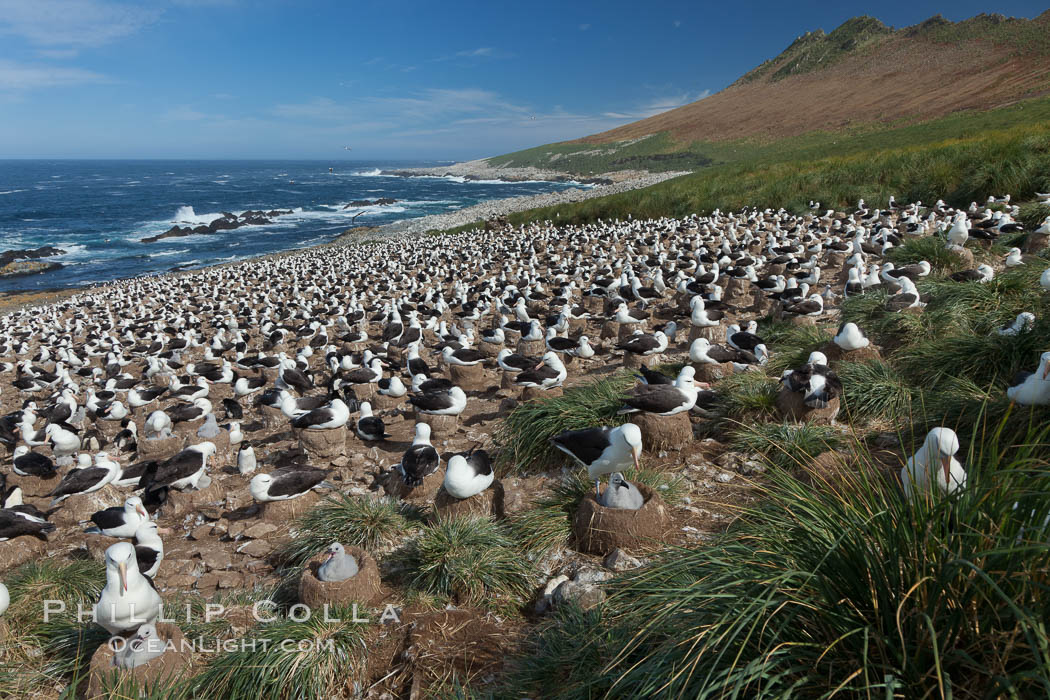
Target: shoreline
621,181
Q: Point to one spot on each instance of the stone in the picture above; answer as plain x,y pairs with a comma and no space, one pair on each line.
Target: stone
488,503
172,664
619,560
584,595
260,530
256,548
363,587
661,433
600,530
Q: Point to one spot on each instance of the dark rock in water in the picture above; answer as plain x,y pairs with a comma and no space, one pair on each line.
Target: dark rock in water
225,222
27,267
381,201
9,256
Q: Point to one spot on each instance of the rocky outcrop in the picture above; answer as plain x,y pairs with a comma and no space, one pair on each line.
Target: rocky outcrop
9,256
226,222
379,202
27,267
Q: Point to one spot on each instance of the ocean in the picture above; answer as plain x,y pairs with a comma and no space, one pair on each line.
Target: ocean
99,211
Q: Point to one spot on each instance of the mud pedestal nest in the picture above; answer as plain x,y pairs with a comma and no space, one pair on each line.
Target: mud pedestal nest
488,503
664,432
322,444
599,530
395,486
171,664
469,377
790,405
362,587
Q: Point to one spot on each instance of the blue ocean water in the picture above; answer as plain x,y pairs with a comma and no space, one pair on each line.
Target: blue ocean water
99,211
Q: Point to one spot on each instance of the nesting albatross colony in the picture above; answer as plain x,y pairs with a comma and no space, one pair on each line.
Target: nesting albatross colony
754,450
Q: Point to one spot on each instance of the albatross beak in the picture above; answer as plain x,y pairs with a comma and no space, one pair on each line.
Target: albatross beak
702,385
637,464
1046,370
946,463
122,569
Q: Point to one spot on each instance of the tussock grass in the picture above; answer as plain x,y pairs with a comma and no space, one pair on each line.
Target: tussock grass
787,445
564,656
314,660
119,685
36,655
932,249
790,345
874,390
749,395
1032,214
844,590
369,523
524,435
471,560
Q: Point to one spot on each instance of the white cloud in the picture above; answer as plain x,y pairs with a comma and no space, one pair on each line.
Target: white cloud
677,23
73,23
185,114
22,76
584,27
57,53
483,51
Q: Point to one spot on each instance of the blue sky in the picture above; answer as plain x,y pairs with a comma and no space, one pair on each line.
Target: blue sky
391,79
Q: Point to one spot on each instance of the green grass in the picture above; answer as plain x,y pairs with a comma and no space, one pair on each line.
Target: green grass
748,395
960,158
846,590
874,390
524,436
313,659
790,345
1033,214
932,249
787,446
470,560
369,523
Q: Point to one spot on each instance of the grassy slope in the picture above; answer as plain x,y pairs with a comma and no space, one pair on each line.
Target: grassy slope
845,83
959,158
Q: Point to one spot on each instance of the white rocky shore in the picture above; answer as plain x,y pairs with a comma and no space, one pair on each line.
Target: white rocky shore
620,181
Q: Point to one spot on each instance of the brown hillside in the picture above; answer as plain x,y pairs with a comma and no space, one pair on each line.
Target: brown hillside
878,75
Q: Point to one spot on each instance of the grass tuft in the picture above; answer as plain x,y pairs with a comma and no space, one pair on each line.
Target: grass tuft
369,523
787,445
315,659
525,434
471,560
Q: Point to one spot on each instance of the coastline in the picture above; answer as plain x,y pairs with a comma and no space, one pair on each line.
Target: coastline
620,181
